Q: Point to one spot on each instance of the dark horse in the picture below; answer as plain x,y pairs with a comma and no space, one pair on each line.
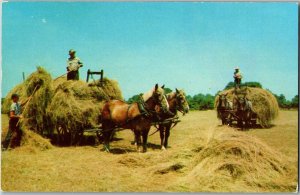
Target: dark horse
136,116
244,111
177,102
224,109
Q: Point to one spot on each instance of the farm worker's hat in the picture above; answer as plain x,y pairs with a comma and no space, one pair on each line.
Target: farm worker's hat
14,96
72,51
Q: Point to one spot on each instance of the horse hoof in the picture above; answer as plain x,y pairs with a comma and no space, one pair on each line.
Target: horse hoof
139,150
106,149
163,148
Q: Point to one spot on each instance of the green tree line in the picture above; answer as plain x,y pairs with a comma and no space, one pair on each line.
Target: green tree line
206,101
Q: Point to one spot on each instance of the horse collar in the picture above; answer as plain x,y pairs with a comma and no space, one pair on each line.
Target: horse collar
143,107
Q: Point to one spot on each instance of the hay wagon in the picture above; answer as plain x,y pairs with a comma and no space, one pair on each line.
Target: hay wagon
99,130
235,118
264,105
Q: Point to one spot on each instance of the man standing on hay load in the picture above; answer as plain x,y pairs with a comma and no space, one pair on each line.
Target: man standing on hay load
73,65
14,134
237,77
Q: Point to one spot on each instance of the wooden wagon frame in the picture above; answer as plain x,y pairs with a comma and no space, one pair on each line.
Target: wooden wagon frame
233,117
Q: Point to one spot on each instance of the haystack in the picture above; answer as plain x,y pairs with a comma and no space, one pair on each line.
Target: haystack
33,141
70,106
38,86
235,162
264,103
76,106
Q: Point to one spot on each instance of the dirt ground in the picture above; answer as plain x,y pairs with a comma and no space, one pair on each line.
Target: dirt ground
88,169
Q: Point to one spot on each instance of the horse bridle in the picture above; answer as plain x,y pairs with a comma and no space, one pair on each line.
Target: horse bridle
178,102
144,108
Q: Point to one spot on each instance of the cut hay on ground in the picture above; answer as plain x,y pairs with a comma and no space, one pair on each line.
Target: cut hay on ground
235,162
32,141
264,103
62,106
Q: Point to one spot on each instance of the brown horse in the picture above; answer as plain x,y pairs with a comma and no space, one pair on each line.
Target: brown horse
136,116
244,111
224,108
177,102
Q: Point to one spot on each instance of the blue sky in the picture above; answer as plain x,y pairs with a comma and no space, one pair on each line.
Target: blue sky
189,45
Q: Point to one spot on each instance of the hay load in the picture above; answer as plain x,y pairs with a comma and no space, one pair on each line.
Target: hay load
264,103
76,106
61,106
39,86
233,162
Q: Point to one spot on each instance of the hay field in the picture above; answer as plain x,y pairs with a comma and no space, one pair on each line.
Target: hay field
202,157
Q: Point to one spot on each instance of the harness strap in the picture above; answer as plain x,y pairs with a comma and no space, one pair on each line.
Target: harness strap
127,119
142,106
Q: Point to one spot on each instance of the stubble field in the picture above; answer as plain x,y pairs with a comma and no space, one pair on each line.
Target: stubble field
192,162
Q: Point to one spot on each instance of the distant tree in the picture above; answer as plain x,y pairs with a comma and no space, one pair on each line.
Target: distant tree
282,102
2,100
134,98
252,84
246,84
167,90
229,85
201,101
295,102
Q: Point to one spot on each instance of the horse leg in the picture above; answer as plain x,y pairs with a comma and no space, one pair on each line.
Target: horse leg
244,122
107,132
137,134
145,138
223,118
240,123
134,142
167,136
106,136
162,136
230,119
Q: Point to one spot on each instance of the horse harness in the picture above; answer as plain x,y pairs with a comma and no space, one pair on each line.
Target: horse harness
143,108
145,111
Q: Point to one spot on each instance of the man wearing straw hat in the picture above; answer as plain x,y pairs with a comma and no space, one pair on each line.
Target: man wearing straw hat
14,134
73,65
237,77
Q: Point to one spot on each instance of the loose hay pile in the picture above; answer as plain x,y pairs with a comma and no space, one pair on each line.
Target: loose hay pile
65,106
39,86
40,81
264,103
235,162
32,141
76,106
